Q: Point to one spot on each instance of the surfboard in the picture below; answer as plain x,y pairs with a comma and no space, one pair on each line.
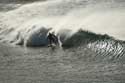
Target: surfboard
52,45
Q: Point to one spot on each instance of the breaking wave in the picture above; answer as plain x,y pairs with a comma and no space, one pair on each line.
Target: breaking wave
102,45
33,36
29,25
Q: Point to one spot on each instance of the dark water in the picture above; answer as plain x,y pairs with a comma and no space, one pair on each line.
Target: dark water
46,65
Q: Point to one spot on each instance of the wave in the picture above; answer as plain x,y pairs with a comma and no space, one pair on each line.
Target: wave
84,37
32,36
102,45
33,21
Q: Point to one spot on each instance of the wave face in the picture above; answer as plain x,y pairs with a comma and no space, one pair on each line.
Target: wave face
71,20
103,45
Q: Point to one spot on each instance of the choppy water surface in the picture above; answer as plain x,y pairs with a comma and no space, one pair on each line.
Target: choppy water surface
29,65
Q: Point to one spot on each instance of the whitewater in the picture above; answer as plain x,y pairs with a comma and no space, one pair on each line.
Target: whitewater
91,33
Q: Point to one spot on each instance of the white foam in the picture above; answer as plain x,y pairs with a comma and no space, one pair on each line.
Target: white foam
106,17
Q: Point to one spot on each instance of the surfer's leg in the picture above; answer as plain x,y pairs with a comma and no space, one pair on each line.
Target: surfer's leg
50,42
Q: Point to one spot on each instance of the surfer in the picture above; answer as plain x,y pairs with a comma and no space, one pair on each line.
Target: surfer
52,39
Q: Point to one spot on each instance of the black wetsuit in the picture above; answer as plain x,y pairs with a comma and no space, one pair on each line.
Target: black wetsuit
52,39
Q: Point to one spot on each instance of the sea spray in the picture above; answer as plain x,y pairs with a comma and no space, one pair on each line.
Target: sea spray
104,17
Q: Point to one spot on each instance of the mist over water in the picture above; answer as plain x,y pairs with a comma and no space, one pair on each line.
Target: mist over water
104,17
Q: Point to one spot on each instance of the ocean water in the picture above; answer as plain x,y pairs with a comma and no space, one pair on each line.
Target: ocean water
92,39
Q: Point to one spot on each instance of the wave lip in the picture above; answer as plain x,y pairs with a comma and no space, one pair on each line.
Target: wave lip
83,37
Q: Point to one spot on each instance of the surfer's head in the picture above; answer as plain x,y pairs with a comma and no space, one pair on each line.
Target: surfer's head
50,33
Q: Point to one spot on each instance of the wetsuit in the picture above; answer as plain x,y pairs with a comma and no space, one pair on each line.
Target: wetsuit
52,39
